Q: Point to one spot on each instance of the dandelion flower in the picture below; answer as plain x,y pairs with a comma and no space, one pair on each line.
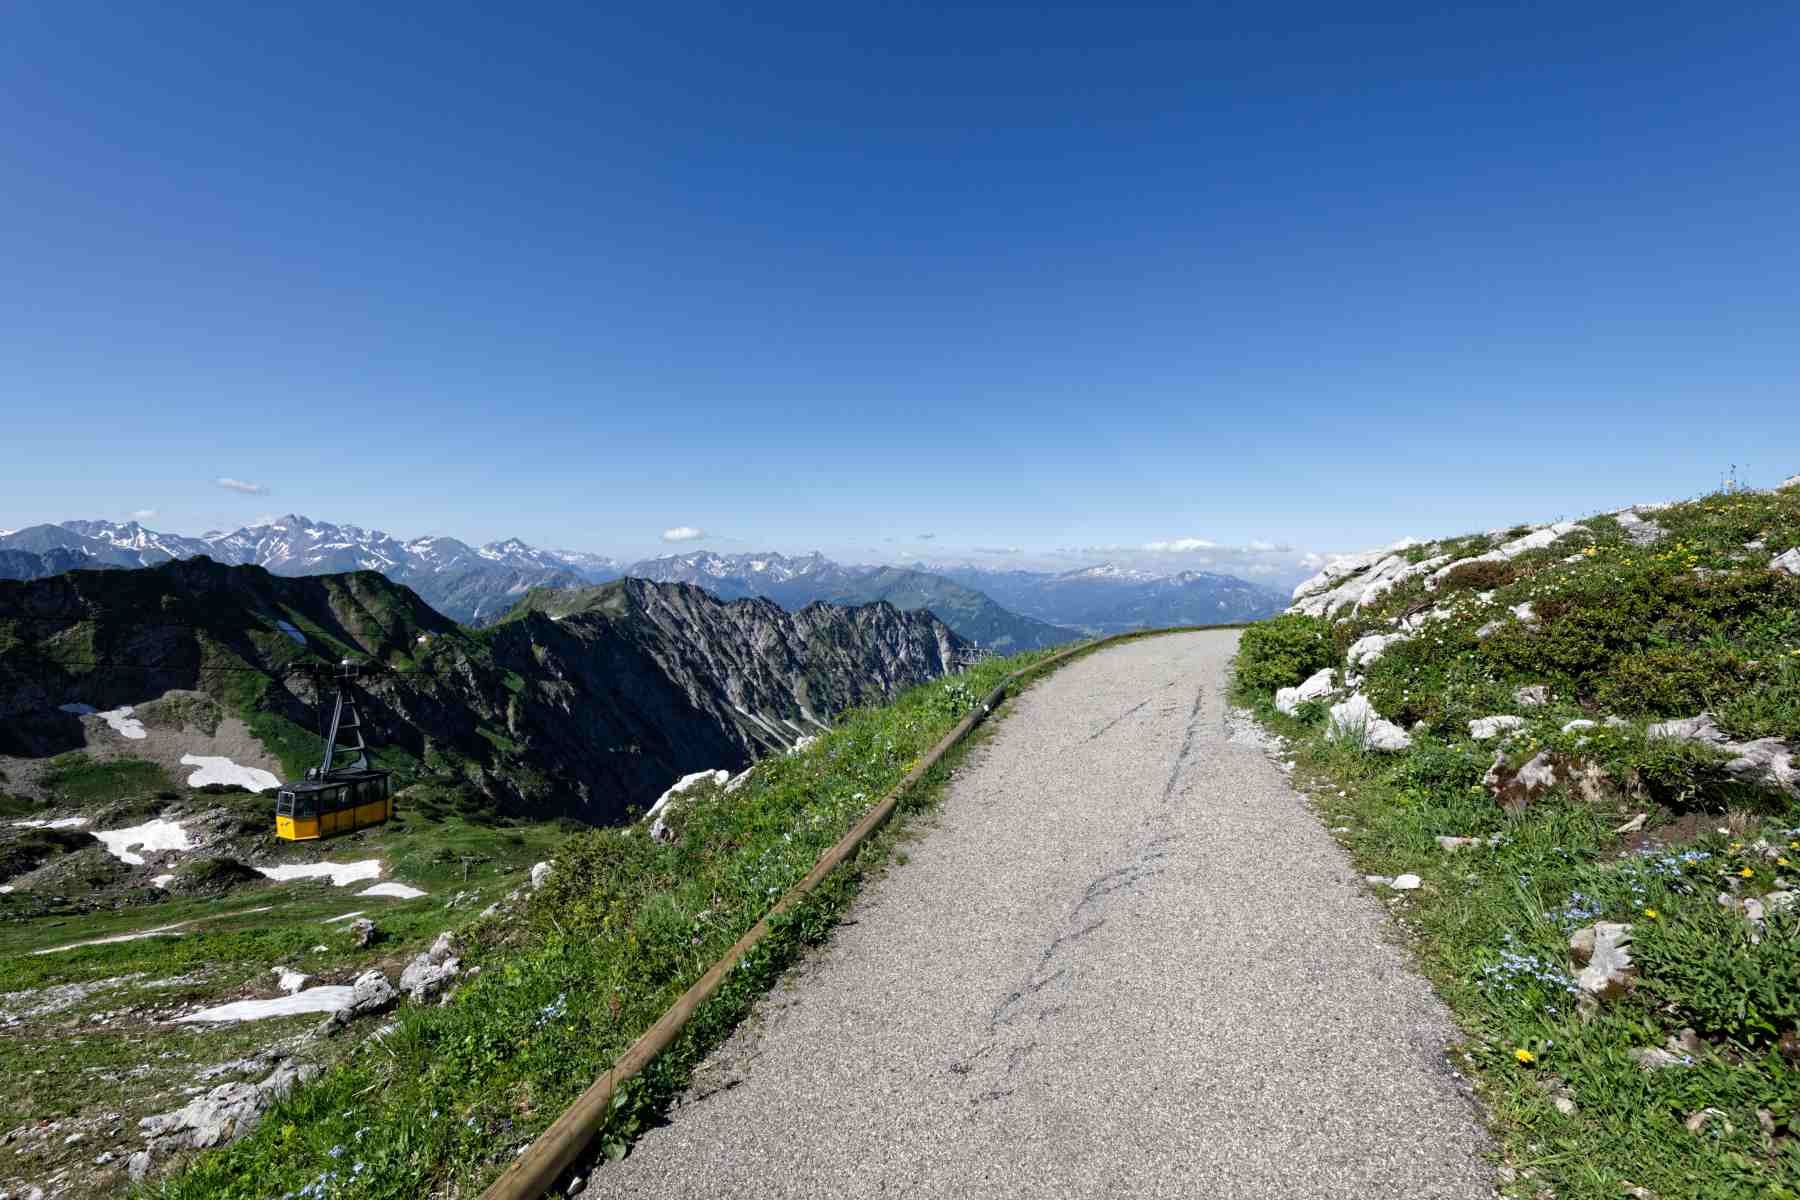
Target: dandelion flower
1747,873
1524,1055
1651,913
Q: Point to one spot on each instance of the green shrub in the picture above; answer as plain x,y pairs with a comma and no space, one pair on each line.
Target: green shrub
1481,576
1669,681
1281,652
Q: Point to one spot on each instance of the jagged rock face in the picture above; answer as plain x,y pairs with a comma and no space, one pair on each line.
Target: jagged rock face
582,703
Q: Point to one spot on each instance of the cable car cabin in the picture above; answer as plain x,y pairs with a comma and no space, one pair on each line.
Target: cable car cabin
339,803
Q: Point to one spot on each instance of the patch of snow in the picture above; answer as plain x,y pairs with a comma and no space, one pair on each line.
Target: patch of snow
339,873
347,916
159,931
6,890
291,631
150,836
399,891
59,823
312,1000
121,720
212,769
162,881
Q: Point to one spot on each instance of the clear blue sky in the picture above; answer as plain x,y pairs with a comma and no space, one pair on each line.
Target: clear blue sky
829,275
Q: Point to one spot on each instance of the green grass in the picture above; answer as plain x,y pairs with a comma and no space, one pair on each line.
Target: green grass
624,926
1629,631
77,779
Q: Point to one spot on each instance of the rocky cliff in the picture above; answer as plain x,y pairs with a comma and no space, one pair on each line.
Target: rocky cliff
581,703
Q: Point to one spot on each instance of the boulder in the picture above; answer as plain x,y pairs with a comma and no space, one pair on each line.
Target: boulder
1289,699
1407,883
1484,728
539,873
371,993
429,973
364,933
1787,562
1534,696
1357,721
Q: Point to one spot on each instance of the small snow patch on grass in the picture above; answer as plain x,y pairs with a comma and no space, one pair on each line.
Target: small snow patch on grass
398,890
340,874
223,770
150,836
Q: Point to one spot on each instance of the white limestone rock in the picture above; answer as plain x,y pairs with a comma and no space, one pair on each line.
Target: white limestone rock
1603,951
1483,728
218,1117
1535,696
1366,650
1317,685
1356,720
1787,562
431,971
540,874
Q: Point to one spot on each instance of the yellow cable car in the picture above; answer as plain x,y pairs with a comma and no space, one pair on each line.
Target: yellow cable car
318,808
333,799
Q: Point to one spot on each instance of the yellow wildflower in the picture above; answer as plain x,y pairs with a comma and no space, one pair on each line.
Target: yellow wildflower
1747,873
1524,1056
1651,913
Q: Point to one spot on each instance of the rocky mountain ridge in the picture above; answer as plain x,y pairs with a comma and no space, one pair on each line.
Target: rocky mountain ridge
472,584
581,703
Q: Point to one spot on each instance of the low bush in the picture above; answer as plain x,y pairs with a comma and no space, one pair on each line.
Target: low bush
1283,651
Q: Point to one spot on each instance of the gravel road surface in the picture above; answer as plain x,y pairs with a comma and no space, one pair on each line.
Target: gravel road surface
1124,959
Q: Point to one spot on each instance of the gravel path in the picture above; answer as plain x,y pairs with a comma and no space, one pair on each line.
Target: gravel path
1125,960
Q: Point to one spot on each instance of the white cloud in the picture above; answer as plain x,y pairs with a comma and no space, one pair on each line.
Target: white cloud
996,550
683,533
1258,546
1312,560
143,514
926,537
239,485
1262,568
1180,546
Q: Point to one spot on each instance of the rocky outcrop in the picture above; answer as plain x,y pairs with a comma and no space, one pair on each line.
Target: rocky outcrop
1787,562
1351,581
219,1116
1765,762
432,970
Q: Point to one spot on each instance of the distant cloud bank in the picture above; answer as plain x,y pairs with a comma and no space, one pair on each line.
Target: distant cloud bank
239,485
143,514
683,533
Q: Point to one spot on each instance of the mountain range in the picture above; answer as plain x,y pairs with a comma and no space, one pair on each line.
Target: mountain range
1004,611
580,703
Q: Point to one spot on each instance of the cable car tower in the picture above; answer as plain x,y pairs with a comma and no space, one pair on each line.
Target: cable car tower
336,796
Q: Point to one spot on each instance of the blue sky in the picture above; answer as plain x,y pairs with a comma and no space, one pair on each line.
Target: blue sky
1075,279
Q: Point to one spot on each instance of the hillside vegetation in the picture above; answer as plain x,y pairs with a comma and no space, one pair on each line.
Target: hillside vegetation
1600,884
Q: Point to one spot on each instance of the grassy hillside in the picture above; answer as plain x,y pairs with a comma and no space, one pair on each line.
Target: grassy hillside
1687,1083
625,924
